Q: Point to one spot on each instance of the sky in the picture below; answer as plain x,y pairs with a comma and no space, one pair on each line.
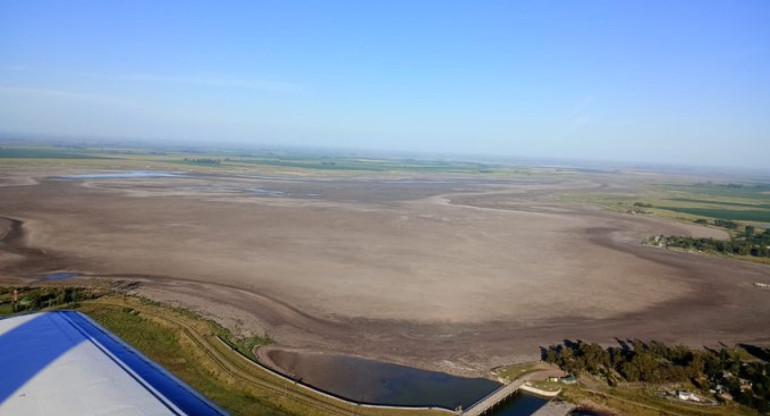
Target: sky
642,81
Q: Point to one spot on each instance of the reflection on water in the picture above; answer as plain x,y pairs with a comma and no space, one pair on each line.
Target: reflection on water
519,405
375,382
369,381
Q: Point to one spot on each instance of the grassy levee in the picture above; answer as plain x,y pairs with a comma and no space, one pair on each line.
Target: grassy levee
190,348
641,402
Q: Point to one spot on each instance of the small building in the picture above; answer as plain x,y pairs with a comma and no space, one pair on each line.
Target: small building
687,396
745,384
553,379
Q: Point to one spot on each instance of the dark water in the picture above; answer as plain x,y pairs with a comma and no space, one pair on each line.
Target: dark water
519,405
375,382
121,175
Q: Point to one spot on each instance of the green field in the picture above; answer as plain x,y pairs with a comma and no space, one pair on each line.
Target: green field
722,203
759,192
732,201
44,153
725,214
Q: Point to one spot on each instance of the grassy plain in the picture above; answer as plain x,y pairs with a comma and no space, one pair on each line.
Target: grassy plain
760,215
749,204
644,402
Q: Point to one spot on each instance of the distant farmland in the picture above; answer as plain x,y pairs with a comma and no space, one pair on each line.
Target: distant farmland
725,214
727,203
44,153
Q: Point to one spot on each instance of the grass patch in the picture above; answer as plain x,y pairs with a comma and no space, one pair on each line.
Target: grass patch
546,385
643,402
725,214
512,372
6,309
245,345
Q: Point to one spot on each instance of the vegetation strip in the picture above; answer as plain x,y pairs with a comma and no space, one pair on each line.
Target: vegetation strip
724,375
749,243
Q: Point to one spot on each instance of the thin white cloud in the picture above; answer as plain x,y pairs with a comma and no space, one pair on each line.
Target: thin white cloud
583,120
220,82
13,68
583,104
198,81
70,95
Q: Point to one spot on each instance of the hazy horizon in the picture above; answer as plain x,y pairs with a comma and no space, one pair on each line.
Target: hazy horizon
634,82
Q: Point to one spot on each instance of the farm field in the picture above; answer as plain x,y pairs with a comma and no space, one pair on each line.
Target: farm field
725,214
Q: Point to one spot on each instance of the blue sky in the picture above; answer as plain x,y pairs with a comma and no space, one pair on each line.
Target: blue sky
668,81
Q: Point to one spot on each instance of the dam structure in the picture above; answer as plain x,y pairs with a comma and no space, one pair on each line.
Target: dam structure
493,399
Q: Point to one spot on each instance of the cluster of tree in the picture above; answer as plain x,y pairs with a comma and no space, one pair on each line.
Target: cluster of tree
204,161
732,185
732,225
747,381
34,298
642,205
749,243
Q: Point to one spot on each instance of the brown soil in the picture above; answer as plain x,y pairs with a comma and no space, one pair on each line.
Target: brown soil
458,275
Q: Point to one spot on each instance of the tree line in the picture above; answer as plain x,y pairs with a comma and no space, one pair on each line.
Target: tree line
746,380
204,161
748,243
732,225
35,298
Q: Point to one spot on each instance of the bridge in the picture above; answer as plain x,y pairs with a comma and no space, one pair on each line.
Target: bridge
493,399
